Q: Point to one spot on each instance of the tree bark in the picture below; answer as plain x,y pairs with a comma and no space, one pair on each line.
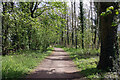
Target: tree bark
92,24
98,23
75,27
67,31
72,25
95,32
82,23
108,38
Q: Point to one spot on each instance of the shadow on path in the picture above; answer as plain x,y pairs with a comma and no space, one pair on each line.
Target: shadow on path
57,66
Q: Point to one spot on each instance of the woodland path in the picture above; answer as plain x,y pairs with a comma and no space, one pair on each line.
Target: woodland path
57,66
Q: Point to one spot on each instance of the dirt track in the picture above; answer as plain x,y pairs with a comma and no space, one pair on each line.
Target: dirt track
57,66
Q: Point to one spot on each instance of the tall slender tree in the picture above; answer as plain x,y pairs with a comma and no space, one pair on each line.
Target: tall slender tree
95,32
91,9
72,25
97,29
82,23
75,25
67,31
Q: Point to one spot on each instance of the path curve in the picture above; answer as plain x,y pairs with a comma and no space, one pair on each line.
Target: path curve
58,66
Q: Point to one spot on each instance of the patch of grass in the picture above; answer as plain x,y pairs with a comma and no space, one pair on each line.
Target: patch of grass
21,63
86,61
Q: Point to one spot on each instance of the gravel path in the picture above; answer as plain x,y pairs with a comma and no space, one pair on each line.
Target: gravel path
57,66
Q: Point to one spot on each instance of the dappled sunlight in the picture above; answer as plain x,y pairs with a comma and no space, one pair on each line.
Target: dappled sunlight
65,40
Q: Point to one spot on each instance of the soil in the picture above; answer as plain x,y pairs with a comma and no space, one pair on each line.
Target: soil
57,66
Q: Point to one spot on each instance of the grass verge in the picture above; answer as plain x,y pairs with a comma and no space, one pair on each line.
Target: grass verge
21,63
86,61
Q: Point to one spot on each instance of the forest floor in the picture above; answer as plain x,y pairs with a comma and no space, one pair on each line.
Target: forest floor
58,66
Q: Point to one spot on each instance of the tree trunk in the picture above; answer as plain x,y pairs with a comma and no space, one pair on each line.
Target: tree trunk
72,25
75,27
95,32
92,24
67,32
65,17
98,23
82,23
108,38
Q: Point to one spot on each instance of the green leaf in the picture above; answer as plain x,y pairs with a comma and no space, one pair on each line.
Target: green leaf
110,8
102,14
114,24
116,12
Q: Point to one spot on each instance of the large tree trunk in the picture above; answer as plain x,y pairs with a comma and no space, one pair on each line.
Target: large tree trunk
108,38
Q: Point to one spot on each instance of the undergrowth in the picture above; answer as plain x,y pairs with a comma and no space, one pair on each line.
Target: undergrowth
86,61
21,63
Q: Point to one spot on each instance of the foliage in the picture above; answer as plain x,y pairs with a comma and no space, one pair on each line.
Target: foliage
22,30
111,10
38,25
86,61
15,66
